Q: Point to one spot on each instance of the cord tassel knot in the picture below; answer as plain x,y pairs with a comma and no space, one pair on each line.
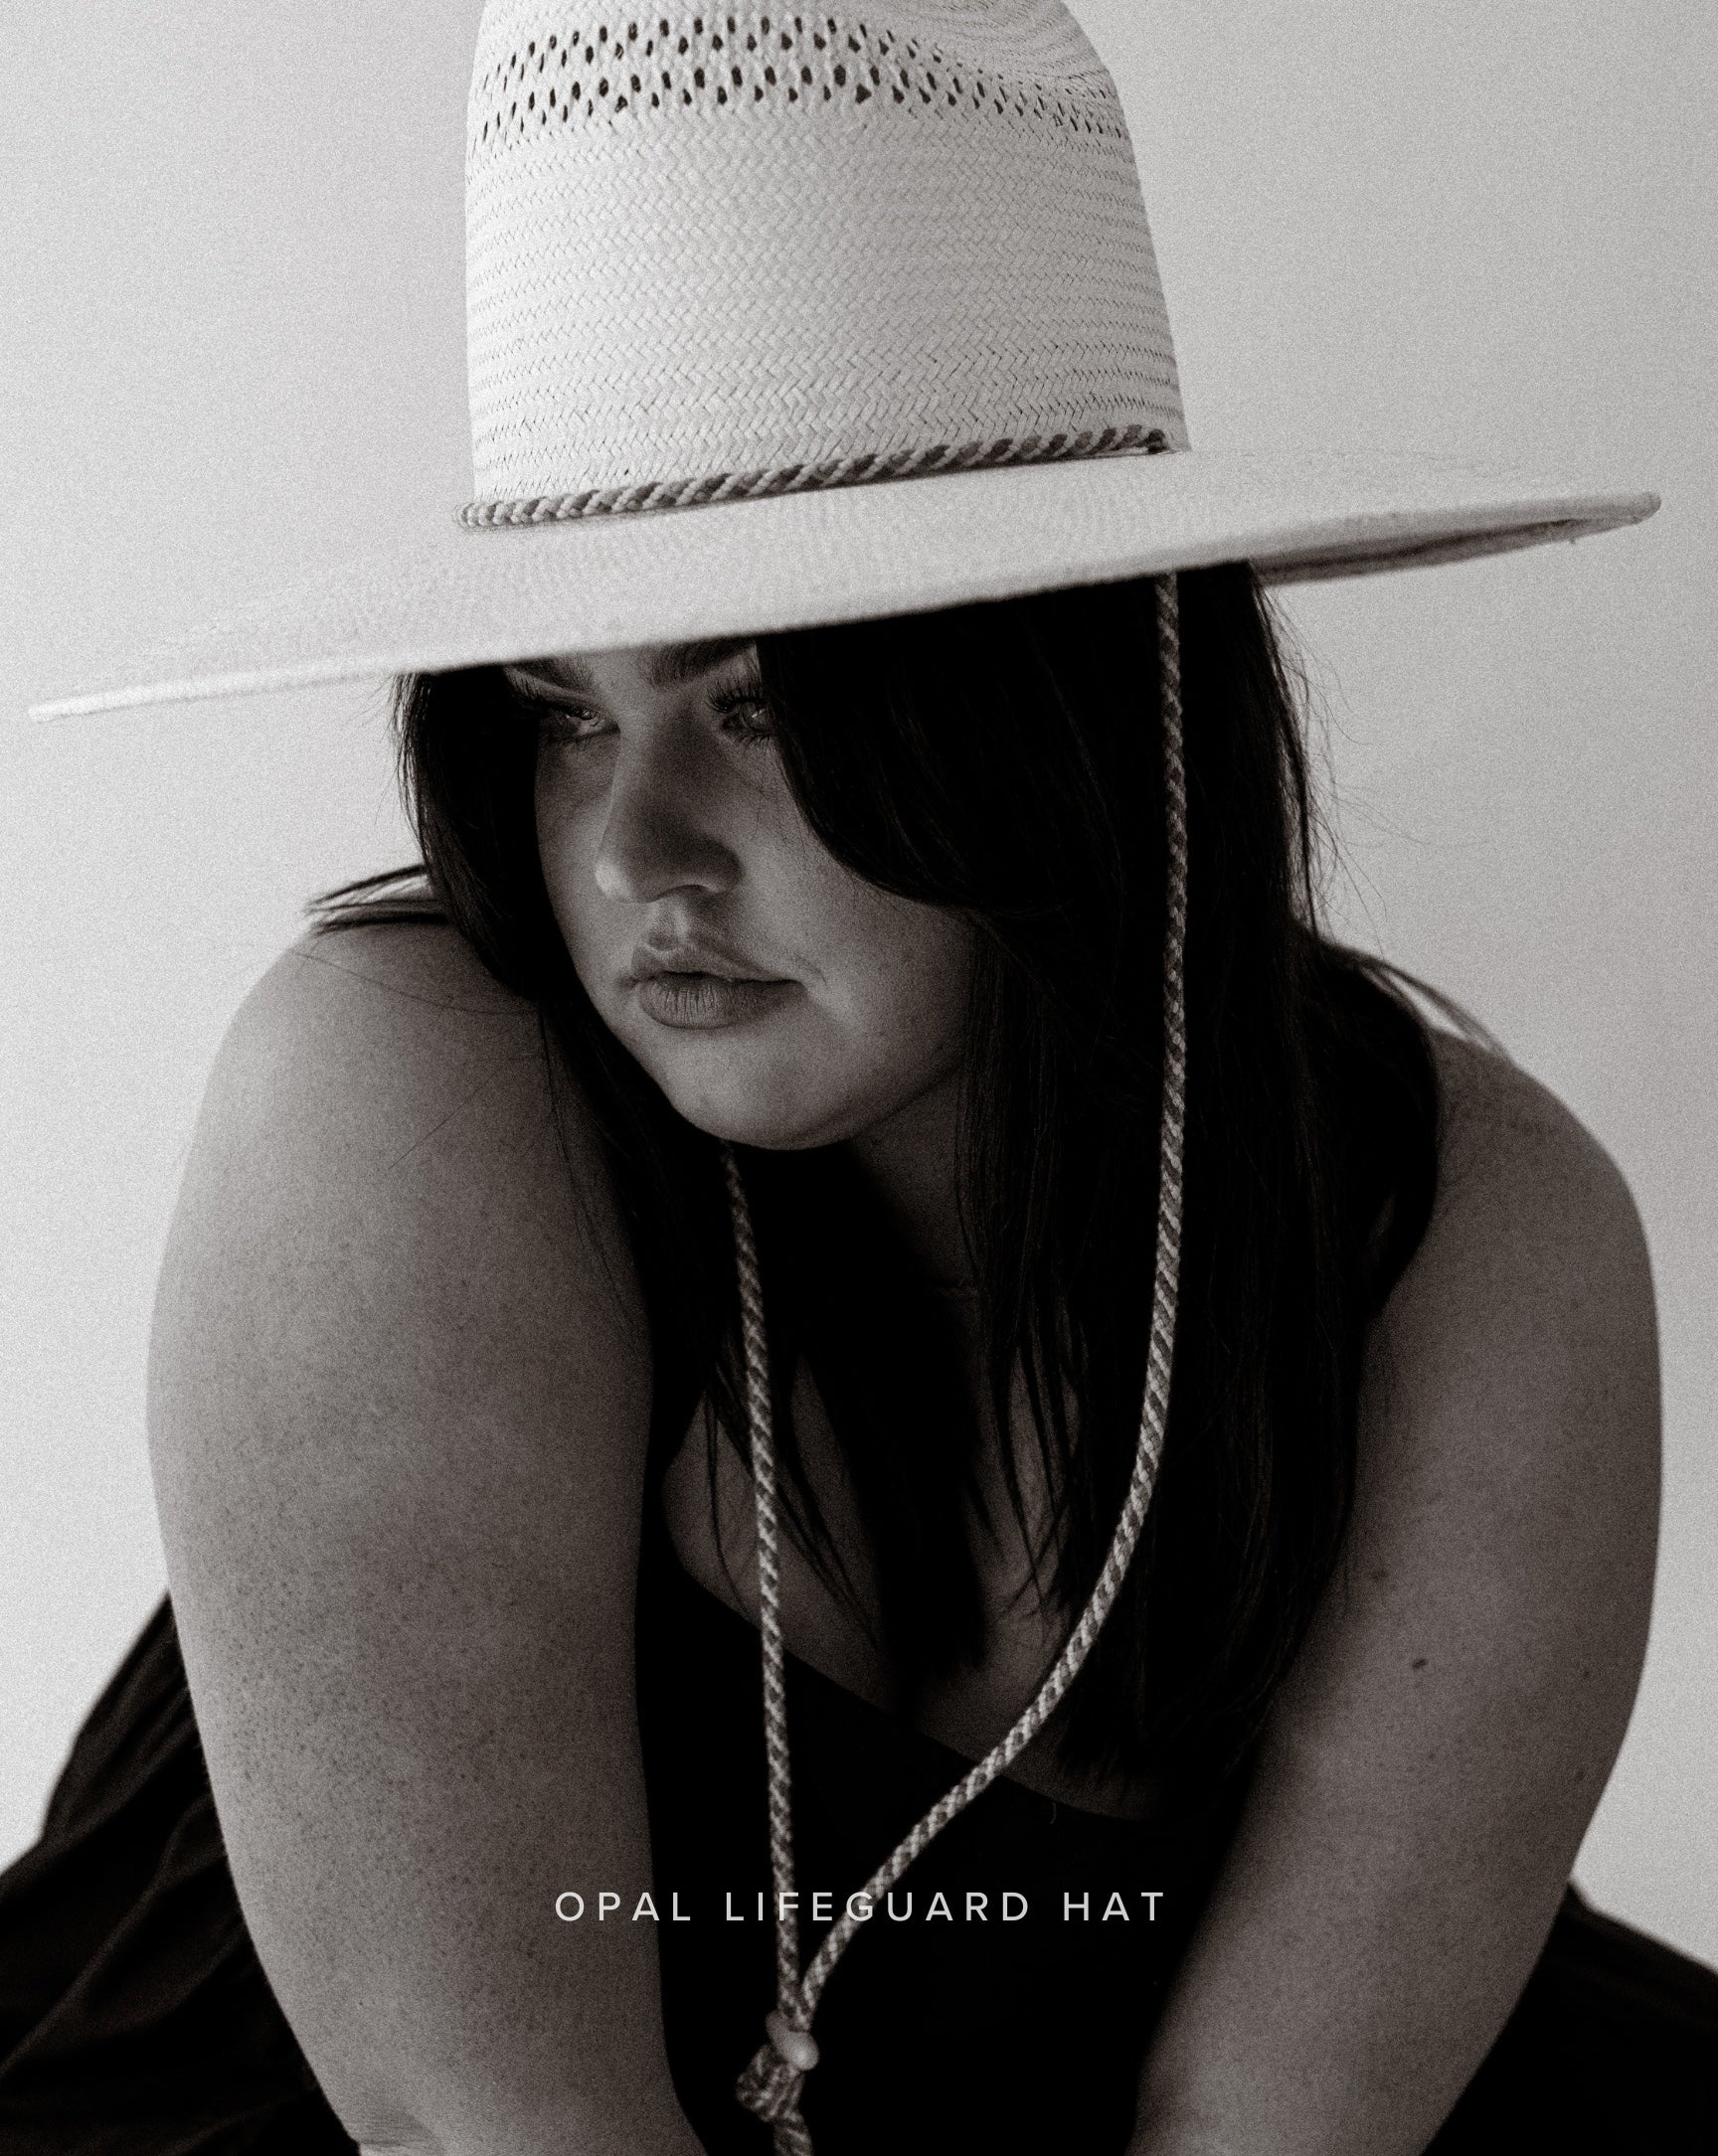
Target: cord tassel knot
771,2083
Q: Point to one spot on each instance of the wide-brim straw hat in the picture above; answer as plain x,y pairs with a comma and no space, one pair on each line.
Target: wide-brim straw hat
786,318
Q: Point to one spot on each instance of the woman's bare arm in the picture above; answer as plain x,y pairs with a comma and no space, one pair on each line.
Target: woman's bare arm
1438,1750
399,1398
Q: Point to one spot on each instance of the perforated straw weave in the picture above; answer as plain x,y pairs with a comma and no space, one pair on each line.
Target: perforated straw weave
717,255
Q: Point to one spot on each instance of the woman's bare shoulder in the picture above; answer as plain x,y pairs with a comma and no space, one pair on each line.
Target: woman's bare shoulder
1509,1421
386,1163
395,1017
1531,1206
382,1059
1493,1111
382,1111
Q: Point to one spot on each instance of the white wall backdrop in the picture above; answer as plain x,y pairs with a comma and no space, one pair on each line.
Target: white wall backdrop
230,345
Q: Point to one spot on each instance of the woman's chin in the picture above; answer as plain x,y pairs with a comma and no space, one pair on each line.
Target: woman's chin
746,1102
771,1130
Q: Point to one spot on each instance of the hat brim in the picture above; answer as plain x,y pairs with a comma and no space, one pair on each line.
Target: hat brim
464,597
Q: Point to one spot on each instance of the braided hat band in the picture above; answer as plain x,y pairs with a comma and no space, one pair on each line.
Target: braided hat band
772,2083
848,471
717,255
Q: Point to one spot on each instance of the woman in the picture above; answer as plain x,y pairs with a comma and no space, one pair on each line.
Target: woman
452,1399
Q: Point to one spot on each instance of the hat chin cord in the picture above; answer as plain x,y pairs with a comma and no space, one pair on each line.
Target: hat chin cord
773,2081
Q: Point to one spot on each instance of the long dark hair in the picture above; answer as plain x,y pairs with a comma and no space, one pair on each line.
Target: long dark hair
1004,760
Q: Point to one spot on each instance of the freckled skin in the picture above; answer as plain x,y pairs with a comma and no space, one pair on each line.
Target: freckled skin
659,817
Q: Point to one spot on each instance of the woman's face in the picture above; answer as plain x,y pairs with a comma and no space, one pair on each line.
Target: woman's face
777,998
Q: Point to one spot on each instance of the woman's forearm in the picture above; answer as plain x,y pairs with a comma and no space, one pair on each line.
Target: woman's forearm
669,2135
1181,2135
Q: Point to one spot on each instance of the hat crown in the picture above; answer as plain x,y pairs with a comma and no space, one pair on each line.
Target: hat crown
710,244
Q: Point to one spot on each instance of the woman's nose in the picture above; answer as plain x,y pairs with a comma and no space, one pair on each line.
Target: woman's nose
660,833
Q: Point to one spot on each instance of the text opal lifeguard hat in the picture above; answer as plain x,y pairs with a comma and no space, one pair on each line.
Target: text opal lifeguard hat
780,318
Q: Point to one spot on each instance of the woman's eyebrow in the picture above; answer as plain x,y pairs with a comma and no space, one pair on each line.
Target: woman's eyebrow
680,663
549,677
671,668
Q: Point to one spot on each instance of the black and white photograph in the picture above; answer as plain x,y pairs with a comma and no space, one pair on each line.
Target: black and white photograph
858,1182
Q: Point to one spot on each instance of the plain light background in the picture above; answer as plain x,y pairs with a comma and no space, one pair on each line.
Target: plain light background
232,345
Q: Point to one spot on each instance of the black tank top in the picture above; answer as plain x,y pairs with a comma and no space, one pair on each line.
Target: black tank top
1004,1993
136,2018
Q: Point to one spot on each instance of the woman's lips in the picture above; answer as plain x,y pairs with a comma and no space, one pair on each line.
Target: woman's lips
702,1002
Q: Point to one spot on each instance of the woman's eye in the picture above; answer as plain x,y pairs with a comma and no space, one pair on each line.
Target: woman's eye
745,715
563,727
562,720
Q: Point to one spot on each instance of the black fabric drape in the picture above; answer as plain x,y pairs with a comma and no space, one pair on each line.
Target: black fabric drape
136,2021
